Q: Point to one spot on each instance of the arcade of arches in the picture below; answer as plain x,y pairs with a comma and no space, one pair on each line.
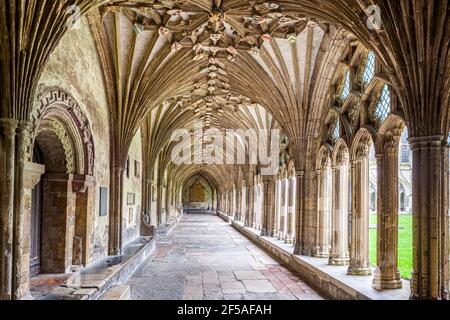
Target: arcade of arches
92,93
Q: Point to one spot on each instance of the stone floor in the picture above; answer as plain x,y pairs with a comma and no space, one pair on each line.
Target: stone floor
205,258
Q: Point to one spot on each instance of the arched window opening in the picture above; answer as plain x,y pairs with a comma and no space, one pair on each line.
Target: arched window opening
383,107
369,70
346,88
336,131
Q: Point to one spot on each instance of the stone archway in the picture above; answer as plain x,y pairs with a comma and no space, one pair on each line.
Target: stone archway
63,140
198,194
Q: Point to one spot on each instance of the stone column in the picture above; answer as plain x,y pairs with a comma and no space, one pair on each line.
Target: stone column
277,208
290,219
116,211
250,203
299,218
257,206
238,205
243,201
387,275
267,227
145,227
339,254
306,221
32,176
7,164
324,204
22,156
84,188
359,252
430,218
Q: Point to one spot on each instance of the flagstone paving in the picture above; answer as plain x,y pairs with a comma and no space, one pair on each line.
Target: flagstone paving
205,258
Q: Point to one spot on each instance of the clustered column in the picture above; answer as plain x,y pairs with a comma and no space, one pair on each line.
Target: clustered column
267,228
339,244
387,274
430,279
359,255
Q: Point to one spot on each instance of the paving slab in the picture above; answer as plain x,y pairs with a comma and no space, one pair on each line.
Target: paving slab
204,258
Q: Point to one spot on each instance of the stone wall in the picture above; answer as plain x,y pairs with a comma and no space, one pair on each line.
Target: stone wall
74,67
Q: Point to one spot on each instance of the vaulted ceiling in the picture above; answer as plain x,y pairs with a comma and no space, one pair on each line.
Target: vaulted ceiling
215,60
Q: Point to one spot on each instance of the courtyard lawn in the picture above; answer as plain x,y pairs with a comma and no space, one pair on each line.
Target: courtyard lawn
404,244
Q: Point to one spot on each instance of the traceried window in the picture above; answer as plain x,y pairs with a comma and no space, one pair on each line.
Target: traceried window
336,133
346,88
369,70
384,104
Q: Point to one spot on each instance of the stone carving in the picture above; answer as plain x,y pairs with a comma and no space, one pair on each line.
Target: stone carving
57,104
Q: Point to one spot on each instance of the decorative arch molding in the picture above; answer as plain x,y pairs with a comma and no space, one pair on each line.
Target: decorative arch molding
364,138
324,156
389,134
58,112
341,152
291,169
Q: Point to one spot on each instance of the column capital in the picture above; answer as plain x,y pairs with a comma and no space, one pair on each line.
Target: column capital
9,126
299,173
426,142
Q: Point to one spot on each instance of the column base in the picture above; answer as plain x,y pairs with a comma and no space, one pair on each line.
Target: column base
359,271
339,261
322,252
387,281
289,239
115,252
298,249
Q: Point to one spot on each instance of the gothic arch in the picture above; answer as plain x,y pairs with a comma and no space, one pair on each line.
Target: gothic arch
389,133
324,155
341,152
364,138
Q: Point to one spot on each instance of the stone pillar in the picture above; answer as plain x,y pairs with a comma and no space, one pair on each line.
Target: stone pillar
359,251
22,156
284,209
387,275
243,199
7,163
299,218
84,188
277,208
267,227
290,219
250,206
430,218
339,254
116,211
146,228
307,214
32,176
324,204
237,213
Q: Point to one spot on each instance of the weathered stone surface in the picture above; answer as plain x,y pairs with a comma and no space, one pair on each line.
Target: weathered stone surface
198,267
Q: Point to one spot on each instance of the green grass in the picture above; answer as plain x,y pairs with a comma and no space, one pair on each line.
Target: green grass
404,244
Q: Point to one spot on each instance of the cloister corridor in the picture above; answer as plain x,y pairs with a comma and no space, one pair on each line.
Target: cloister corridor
204,258
224,150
